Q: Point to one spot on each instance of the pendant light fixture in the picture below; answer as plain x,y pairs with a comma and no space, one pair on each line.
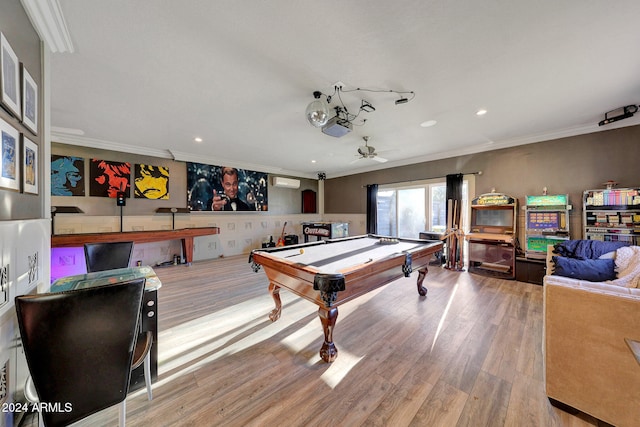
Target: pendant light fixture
317,111
342,121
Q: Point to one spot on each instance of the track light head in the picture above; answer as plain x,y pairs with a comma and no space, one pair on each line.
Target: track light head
366,106
622,113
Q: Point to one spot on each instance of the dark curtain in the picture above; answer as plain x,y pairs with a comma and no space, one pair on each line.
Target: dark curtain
372,209
454,193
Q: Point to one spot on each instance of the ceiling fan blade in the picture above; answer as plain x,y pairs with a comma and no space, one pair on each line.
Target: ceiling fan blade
389,150
379,159
356,160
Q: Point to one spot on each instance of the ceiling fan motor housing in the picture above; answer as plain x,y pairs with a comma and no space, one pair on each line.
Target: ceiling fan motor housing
366,151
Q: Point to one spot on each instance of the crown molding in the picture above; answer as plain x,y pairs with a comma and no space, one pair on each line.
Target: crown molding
81,141
495,145
47,19
194,158
101,144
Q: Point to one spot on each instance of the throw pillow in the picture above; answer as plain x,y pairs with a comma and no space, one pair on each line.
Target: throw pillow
592,270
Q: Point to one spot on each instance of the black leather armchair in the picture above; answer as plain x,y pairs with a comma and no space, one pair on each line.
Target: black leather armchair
107,255
79,347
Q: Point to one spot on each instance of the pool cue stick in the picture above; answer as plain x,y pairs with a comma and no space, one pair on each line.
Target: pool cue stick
454,246
461,243
461,261
452,251
457,231
449,209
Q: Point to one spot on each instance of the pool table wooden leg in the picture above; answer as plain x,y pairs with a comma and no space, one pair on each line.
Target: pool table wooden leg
421,273
274,290
328,317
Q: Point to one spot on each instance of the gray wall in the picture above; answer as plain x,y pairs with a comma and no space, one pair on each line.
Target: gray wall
24,40
565,166
281,200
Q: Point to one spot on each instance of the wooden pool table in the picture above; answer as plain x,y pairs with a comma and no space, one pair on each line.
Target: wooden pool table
332,272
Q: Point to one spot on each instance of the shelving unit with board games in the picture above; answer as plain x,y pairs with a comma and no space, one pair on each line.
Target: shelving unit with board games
612,215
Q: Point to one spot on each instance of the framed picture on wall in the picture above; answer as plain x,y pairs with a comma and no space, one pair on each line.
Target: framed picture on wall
29,166
223,188
9,166
10,77
67,175
29,101
108,178
151,182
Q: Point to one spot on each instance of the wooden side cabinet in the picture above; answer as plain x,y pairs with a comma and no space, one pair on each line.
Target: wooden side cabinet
530,270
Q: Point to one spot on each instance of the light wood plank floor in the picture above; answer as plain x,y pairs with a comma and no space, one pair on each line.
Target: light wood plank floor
469,354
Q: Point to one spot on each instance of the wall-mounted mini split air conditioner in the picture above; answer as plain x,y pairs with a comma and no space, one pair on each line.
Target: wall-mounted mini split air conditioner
279,181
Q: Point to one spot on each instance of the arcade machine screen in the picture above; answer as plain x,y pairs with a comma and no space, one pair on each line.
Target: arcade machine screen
551,221
493,218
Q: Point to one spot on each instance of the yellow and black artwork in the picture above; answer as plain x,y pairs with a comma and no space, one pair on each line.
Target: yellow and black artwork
151,182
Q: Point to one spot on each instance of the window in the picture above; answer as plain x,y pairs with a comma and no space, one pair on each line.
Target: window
438,207
411,212
386,225
406,210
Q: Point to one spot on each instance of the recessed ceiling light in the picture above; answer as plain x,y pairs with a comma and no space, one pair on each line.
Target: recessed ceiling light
197,139
313,161
481,112
428,123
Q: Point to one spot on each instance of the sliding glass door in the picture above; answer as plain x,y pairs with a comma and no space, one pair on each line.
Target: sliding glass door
406,210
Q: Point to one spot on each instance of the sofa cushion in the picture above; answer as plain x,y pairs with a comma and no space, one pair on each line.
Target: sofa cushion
628,267
586,249
593,270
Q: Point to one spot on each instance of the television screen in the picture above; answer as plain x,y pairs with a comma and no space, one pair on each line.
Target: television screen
493,217
543,221
539,244
223,188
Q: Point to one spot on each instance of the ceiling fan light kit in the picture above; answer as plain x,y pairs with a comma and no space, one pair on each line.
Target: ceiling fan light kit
368,152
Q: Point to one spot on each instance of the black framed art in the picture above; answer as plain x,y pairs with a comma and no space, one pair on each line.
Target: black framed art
29,102
9,161
29,166
9,77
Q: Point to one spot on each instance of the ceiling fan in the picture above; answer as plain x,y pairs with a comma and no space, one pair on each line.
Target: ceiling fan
368,152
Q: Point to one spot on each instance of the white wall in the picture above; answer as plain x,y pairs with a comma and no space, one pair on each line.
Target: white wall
24,264
239,233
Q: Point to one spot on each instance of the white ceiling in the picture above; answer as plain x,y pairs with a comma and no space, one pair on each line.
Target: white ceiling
149,76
